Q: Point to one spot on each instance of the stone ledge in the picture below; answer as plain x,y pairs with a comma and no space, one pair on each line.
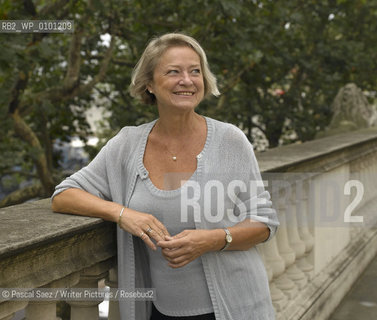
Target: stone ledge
302,155
46,263
32,224
38,246
49,262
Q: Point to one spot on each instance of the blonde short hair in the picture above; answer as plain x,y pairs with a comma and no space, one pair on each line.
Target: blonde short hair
142,74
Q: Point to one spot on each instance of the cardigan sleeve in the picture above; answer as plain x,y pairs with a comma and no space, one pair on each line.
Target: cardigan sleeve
255,203
93,178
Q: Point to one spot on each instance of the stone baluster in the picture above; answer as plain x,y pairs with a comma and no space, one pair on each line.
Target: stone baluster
372,185
37,310
46,310
356,174
302,214
9,308
364,165
369,181
285,250
275,267
274,258
89,277
112,282
373,175
362,170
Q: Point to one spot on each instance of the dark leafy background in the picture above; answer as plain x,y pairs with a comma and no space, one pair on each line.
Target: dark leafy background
279,65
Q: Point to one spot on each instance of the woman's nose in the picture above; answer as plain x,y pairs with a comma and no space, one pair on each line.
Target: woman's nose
185,80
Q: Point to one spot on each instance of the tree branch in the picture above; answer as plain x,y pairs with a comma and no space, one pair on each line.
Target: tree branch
258,126
17,90
39,158
30,8
53,7
122,62
74,61
106,95
102,71
21,195
59,94
234,80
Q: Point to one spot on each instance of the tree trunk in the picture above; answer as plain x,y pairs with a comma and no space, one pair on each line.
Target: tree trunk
39,158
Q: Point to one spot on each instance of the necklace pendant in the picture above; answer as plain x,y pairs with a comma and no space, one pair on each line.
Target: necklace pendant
174,158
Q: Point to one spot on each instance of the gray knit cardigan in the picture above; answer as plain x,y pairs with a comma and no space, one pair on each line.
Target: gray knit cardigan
236,280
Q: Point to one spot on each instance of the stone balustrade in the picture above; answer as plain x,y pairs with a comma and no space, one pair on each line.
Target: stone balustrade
321,189
312,261
42,249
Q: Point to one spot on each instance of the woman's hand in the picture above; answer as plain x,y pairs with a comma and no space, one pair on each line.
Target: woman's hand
189,245
144,226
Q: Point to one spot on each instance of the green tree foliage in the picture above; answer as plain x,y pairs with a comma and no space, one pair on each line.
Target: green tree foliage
279,64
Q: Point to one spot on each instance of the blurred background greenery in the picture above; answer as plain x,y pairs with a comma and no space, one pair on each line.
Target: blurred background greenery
279,65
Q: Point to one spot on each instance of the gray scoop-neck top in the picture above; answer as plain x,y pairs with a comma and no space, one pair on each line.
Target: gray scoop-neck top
182,291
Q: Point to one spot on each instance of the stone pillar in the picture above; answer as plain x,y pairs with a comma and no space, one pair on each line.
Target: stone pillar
365,170
46,310
291,247
284,282
279,300
302,208
281,286
37,310
89,277
372,185
294,239
328,201
112,282
368,177
357,170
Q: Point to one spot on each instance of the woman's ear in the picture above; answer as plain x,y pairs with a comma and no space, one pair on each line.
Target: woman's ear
150,88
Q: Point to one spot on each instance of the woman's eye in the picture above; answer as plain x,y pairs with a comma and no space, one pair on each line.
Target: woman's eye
172,71
196,71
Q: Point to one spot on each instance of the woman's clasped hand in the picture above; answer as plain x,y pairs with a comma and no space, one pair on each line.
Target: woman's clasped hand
179,249
145,226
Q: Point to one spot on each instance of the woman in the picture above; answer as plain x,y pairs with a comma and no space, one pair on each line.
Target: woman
184,191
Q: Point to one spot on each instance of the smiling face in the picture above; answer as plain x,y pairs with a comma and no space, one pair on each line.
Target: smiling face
177,79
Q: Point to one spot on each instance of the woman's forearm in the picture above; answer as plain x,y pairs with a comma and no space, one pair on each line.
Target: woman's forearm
77,201
140,224
245,235
190,244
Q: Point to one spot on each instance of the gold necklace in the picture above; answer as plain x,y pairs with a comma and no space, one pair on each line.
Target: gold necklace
173,156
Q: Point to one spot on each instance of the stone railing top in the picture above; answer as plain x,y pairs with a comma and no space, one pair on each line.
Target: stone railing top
282,158
23,227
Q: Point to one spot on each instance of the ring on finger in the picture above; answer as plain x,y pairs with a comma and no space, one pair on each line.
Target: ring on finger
141,234
149,230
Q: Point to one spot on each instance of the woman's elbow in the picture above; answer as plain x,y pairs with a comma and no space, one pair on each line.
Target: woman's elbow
57,202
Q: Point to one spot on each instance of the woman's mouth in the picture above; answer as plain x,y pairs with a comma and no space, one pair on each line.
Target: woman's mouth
184,93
